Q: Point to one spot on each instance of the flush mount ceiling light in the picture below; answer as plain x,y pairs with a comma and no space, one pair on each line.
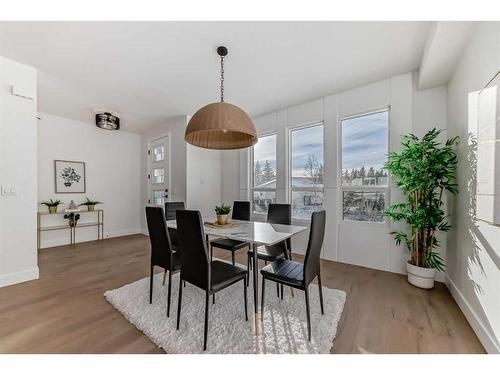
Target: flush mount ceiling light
107,120
221,126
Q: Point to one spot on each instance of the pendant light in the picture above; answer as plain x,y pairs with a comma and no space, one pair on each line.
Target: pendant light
221,126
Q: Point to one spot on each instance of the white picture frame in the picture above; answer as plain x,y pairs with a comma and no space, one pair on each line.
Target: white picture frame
69,176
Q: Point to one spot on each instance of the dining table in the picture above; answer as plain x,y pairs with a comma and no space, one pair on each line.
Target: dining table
256,234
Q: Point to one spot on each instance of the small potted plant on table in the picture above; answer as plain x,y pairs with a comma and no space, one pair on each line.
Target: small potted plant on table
222,212
424,170
72,218
90,204
52,205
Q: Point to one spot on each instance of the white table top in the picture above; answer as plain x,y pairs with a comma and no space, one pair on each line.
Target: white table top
251,231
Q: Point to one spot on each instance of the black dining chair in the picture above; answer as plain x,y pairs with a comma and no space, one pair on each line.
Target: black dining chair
299,275
170,210
198,270
241,211
278,213
163,253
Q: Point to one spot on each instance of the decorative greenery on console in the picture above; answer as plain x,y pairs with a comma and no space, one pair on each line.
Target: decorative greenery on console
223,209
51,203
89,202
72,218
424,170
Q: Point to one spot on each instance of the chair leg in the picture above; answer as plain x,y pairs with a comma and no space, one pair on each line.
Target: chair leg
263,294
245,296
282,291
206,321
211,253
179,303
213,299
169,292
278,289
249,267
151,284
232,257
320,294
308,314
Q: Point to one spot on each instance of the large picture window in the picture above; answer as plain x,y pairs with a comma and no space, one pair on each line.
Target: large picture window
364,182
264,173
306,171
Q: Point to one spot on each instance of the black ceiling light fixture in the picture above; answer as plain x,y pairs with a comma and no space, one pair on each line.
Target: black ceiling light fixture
107,120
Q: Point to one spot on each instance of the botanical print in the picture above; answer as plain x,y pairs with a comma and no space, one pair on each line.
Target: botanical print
69,176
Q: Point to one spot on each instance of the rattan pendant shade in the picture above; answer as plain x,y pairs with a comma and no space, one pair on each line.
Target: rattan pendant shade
221,126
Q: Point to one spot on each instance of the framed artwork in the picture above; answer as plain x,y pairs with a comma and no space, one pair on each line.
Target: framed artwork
69,176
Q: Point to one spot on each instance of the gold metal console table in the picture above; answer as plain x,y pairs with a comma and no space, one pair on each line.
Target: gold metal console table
72,229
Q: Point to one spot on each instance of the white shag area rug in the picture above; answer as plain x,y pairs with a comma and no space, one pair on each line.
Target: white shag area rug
284,329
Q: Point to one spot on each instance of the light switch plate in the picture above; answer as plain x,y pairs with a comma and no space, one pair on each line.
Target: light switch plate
8,191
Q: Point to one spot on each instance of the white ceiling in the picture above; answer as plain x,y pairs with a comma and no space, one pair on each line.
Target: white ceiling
150,71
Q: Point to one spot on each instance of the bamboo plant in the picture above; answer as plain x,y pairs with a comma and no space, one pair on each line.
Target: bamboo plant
424,170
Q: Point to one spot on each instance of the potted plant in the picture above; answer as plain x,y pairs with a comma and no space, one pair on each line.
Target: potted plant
72,218
52,205
90,204
424,170
222,212
69,176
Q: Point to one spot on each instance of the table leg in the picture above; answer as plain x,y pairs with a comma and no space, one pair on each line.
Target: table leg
256,290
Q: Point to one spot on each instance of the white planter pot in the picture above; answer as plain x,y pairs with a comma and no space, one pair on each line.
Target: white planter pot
420,276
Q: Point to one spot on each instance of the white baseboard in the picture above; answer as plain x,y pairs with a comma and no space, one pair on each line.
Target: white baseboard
64,240
482,333
19,277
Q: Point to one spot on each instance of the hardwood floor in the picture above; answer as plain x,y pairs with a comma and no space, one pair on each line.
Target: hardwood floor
65,311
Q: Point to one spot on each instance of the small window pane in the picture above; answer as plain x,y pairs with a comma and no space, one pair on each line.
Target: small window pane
159,197
158,176
307,157
264,162
364,150
261,200
159,153
304,203
363,205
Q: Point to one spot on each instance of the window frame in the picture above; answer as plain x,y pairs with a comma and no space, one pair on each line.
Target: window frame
386,189
290,188
251,174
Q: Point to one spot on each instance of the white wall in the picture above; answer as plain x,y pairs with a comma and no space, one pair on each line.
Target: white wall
112,169
473,257
18,170
411,111
203,179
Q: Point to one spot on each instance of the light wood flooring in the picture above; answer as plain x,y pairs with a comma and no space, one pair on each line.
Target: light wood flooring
65,312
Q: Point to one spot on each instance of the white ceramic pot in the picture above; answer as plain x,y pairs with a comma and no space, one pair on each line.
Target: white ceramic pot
420,276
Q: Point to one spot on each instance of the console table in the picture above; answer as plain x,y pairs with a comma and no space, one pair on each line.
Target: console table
72,229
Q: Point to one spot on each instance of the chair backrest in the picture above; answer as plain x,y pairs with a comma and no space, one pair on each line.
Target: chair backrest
313,252
171,208
195,262
280,213
161,248
241,210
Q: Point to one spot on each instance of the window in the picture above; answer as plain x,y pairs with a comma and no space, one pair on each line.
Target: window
364,182
158,176
306,164
159,153
264,173
159,197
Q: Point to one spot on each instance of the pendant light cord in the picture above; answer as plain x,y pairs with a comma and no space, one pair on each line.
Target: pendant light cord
222,79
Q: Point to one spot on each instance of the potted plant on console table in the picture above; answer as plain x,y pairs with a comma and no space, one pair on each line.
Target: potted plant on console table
90,204
424,171
52,205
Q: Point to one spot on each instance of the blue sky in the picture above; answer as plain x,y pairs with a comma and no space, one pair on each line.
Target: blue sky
305,142
364,141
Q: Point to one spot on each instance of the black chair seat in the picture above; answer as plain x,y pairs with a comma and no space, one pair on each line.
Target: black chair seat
228,244
224,274
268,253
284,270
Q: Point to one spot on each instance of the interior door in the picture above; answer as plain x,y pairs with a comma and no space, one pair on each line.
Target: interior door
158,171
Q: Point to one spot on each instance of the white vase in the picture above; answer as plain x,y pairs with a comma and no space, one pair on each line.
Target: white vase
420,276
